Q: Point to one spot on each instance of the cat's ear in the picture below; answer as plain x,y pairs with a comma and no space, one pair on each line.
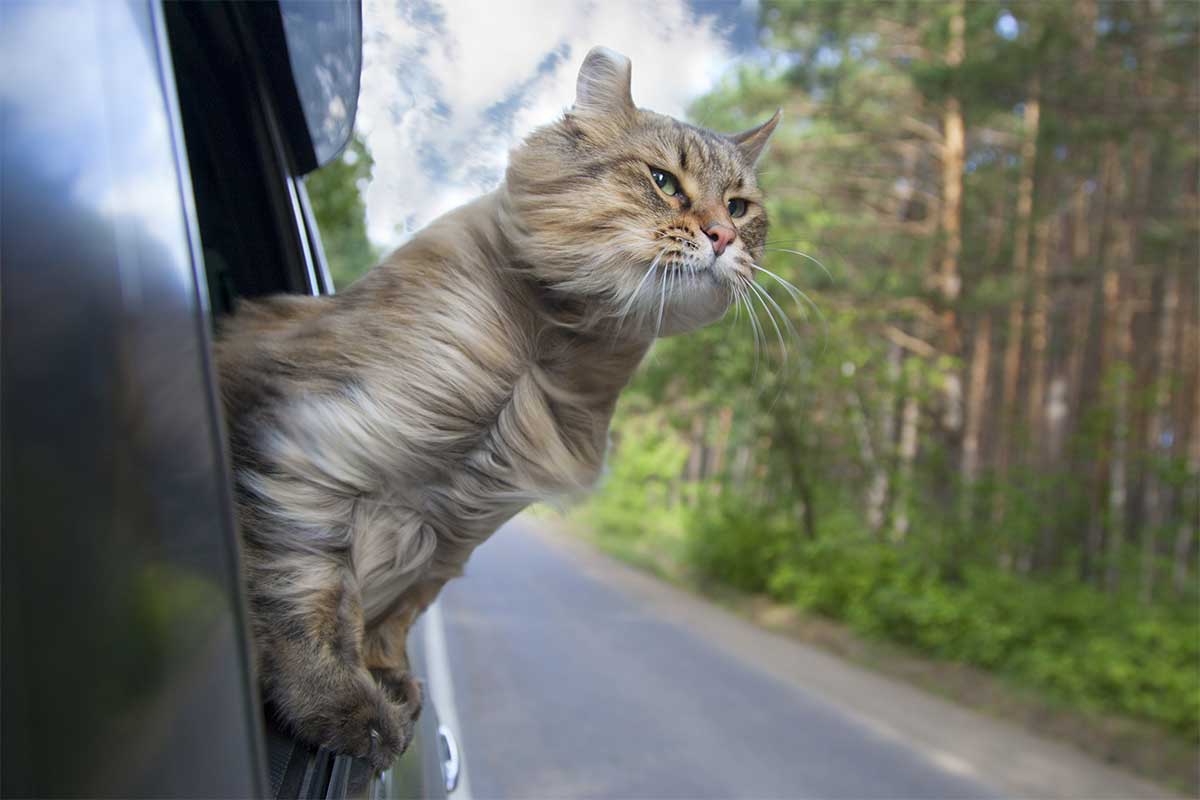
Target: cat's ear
603,84
752,142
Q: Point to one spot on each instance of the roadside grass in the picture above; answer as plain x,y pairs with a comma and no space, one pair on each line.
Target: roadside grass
1151,750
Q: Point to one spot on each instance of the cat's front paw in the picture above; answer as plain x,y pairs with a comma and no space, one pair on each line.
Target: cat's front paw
402,688
365,724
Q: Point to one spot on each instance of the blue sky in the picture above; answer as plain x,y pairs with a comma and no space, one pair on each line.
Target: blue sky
449,86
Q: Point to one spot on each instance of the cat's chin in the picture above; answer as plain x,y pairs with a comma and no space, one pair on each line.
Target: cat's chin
679,301
694,305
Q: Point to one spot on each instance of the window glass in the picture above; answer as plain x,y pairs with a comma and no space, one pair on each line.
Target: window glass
324,41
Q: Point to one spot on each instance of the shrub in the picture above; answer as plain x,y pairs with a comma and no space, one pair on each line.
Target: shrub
1080,644
729,543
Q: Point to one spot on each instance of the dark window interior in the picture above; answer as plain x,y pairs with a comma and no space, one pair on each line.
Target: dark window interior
244,196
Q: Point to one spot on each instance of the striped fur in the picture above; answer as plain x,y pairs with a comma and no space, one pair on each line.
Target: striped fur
381,434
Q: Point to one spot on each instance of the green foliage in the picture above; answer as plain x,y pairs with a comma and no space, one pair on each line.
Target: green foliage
1073,641
637,493
1087,647
335,191
731,544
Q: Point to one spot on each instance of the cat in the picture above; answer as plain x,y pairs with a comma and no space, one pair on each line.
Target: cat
379,435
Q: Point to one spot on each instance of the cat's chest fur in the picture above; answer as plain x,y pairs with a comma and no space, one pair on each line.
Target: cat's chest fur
403,432
491,434
427,509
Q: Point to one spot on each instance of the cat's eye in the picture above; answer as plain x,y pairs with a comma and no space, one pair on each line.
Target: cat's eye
737,207
665,181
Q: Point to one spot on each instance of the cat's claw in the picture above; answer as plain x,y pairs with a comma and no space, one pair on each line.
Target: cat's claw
369,726
374,753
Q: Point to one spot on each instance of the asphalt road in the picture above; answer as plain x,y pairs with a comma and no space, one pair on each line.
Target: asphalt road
569,684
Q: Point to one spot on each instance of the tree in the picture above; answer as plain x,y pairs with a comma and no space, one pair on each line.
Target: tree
335,191
1005,197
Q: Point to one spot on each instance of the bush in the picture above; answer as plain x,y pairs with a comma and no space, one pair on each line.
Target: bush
1084,646
635,496
732,545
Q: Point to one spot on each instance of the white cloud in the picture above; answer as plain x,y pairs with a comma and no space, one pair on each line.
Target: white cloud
449,87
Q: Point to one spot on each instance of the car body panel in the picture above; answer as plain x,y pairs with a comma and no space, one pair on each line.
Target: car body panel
126,665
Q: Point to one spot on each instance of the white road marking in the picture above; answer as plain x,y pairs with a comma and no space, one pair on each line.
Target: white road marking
441,690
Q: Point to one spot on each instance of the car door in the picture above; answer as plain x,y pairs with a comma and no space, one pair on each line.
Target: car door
150,175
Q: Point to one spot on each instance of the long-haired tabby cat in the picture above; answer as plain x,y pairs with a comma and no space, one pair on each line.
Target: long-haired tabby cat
381,434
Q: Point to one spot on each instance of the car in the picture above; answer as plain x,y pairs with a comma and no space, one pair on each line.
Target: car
151,174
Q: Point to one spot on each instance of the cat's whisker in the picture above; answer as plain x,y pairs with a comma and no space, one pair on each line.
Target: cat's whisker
803,255
621,316
796,294
760,292
760,343
763,295
794,291
783,315
662,305
736,291
670,285
755,328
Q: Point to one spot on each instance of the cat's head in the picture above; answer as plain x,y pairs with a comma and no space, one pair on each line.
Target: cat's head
639,218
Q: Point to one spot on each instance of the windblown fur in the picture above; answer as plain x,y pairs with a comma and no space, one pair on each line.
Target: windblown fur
381,434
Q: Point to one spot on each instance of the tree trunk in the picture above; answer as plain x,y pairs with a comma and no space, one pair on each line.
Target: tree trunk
949,279
694,489
1065,394
877,493
742,464
1039,335
1118,346
1112,181
1016,315
797,452
1035,411
1086,219
721,444
981,353
1189,501
1119,312
1128,231
1152,497
1082,325
906,455
871,460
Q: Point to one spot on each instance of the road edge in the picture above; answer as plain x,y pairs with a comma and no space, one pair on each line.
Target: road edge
952,737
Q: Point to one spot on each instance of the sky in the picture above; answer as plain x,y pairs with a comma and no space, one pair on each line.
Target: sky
450,86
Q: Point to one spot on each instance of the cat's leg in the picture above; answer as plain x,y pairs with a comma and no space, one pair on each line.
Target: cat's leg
386,644
309,623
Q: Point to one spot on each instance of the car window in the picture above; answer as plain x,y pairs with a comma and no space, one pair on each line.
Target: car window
246,201
323,45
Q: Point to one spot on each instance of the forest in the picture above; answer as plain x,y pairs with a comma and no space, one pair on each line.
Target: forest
973,425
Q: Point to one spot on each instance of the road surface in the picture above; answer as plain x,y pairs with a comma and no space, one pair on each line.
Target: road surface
574,676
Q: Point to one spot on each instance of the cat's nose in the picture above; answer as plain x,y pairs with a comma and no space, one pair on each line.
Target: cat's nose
720,235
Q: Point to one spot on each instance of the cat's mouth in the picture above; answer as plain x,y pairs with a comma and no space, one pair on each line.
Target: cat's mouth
685,254
690,268
709,266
